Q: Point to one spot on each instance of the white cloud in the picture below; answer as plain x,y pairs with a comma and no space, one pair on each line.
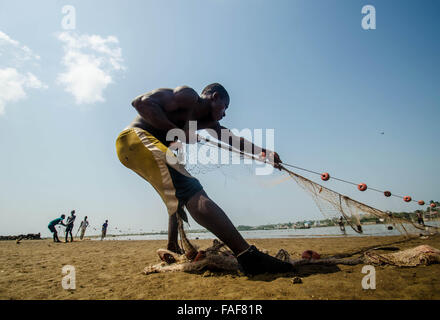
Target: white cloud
15,50
90,62
13,81
13,85
4,37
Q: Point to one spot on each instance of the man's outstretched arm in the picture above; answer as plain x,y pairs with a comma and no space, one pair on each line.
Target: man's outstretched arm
226,135
240,143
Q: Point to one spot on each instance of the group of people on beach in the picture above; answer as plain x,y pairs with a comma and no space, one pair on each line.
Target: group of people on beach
69,227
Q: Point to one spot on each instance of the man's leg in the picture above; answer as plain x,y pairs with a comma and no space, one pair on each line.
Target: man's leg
53,233
55,236
173,233
209,215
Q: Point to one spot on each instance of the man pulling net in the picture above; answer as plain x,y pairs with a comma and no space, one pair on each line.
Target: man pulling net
143,148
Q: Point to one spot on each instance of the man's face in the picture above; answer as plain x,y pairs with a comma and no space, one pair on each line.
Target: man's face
218,106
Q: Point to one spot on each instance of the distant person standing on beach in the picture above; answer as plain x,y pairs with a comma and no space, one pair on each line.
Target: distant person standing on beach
104,229
420,218
83,226
52,225
69,228
341,224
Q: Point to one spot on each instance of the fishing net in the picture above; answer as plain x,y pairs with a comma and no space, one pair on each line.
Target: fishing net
421,255
331,204
334,205
208,156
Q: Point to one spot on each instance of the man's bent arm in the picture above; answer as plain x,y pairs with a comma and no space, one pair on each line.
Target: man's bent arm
152,112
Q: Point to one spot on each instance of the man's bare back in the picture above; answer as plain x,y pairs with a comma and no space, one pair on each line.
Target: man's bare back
164,109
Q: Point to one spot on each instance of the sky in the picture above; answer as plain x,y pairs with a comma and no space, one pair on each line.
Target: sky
306,69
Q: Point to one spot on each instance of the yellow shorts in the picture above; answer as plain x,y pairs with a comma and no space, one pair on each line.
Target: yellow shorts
143,153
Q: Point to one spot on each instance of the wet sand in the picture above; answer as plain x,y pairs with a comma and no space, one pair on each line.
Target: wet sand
113,270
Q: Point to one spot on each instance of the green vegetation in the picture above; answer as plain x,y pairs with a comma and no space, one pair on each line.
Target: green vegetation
365,219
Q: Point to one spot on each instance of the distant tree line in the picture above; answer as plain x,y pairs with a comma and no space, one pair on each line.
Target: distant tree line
334,222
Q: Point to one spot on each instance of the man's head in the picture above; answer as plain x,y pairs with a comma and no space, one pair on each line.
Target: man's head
218,97
63,216
72,212
85,218
106,221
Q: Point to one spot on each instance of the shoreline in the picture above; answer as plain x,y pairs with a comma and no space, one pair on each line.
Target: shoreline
323,236
113,270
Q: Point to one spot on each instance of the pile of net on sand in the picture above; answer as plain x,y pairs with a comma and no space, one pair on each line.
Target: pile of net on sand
421,255
218,258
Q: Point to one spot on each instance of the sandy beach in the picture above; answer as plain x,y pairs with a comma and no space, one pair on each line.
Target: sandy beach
113,270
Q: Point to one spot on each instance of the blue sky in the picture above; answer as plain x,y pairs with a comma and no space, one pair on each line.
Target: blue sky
304,68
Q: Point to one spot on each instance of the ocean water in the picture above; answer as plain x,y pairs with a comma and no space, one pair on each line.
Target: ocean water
324,232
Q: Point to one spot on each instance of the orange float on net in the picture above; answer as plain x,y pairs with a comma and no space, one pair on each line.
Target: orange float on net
433,205
421,202
387,193
407,198
325,176
362,186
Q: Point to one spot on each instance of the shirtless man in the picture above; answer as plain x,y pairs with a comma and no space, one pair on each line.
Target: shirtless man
83,227
69,225
143,147
420,220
